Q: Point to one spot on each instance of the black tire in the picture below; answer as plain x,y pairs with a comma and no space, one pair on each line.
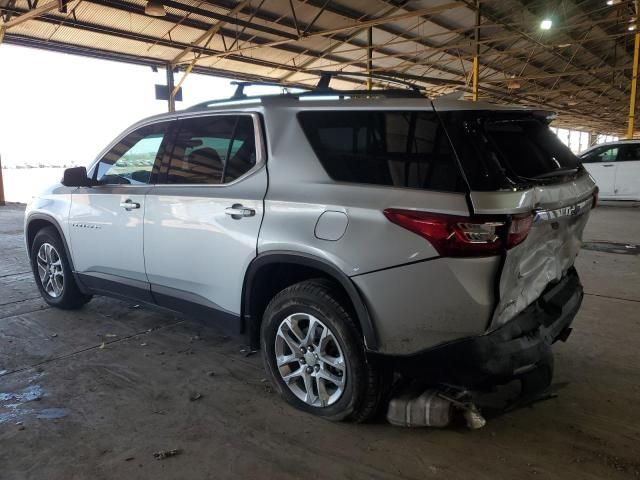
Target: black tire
71,297
364,387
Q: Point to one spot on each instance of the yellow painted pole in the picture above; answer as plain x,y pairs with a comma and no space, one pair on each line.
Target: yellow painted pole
634,86
475,78
476,66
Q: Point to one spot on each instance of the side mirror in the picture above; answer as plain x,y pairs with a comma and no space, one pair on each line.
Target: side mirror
76,177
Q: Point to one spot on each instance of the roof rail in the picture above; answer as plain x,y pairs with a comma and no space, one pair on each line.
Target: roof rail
341,94
322,88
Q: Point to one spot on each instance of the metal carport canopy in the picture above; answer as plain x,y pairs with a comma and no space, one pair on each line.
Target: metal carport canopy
581,67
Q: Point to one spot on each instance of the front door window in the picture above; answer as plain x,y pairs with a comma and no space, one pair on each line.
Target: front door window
131,160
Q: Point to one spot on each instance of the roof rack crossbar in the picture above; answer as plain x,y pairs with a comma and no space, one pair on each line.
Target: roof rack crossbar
326,76
322,88
239,93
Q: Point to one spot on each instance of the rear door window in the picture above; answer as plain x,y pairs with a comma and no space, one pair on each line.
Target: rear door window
629,153
394,148
212,150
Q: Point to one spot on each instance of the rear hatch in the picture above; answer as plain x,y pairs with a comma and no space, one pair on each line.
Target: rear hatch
516,166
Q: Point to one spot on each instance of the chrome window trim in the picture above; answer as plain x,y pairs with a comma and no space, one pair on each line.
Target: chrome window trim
261,151
114,142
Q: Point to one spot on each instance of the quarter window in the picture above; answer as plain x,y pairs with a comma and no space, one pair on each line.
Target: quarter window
132,159
212,150
400,149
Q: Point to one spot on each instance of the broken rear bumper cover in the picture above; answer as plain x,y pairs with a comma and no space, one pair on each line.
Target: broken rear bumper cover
516,347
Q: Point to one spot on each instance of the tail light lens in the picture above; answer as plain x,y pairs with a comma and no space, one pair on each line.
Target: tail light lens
519,229
454,236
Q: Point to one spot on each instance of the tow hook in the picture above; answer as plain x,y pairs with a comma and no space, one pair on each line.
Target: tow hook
434,408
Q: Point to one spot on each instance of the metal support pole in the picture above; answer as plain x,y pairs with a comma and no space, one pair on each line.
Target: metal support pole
369,56
2,202
634,86
476,66
170,88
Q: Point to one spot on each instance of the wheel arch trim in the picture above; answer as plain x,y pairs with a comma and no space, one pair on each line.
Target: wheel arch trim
312,261
54,222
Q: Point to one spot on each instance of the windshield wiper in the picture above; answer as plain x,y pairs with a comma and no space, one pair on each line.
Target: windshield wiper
557,173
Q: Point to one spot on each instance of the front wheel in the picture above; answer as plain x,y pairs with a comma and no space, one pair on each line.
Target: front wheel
314,354
53,273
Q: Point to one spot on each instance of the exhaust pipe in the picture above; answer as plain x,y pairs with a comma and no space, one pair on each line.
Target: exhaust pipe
433,408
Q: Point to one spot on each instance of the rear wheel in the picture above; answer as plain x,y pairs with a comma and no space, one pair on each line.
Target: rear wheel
53,273
314,354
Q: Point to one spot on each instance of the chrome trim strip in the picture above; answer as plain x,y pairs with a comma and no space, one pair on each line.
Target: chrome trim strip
568,211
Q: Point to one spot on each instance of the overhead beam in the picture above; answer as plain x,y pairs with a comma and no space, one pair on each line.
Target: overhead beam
69,22
208,35
352,26
33,13
59,47
60,5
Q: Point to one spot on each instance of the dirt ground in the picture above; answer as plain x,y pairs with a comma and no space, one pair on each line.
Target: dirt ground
93,394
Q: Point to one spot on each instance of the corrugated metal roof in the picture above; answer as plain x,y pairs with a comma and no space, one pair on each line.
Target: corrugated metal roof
580,68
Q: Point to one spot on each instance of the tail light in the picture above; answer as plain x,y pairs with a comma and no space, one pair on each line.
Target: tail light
596,195
519,229
454,236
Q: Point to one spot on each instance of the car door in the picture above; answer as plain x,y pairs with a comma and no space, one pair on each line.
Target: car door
203,218
601,164
627,185
106,220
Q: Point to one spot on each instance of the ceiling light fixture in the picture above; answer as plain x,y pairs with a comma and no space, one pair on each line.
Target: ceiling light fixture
154,8
546,24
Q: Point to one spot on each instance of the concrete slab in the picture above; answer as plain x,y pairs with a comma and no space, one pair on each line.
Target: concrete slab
94,393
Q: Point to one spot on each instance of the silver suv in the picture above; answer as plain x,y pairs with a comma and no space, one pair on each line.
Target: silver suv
355,238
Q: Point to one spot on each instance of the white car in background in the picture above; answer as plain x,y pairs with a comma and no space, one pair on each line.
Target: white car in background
615,167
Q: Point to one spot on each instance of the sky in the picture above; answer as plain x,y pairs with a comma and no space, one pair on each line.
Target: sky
61,109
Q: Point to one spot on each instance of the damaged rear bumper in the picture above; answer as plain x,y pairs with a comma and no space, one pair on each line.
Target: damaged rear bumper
516,347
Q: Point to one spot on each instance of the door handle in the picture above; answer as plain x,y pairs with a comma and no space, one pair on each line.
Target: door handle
128,204
610,165
237,211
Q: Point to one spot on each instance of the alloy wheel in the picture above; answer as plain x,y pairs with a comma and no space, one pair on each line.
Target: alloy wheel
310,360
50,270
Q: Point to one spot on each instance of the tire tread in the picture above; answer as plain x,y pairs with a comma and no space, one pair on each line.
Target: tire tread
327,293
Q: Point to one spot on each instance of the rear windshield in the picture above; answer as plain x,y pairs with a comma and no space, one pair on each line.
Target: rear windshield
506,150
395,148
